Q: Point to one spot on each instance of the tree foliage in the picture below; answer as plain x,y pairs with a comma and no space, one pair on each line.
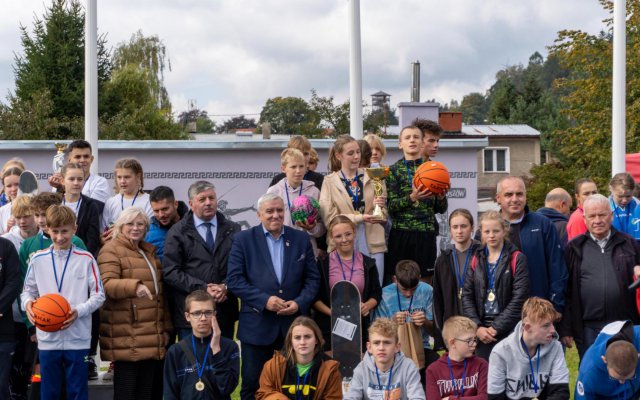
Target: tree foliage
240,122
332,116
204,124
290,116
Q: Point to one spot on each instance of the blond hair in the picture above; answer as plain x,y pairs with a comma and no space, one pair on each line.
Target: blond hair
376,143
22,206
291,154
384,327
494,216
456,326
127,216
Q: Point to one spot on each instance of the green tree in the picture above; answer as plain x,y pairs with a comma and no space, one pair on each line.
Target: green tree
204,124
332,116
240,122
290,116
502,96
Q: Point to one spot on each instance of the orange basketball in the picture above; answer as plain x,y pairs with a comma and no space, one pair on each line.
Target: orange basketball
434,176
50,311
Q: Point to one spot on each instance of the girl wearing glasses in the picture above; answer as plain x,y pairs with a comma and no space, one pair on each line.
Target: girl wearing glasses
301,370
135,325
496,285
348,264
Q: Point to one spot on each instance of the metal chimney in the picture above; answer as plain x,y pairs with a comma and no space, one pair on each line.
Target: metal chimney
415,82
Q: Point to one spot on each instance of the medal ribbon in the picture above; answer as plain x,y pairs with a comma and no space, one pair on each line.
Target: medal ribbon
132,203
354,196
387,393
304,383
491,276
353,265
533,376
457,391
64,202
400,304
286,190
200,369
64,270
456,269
409,171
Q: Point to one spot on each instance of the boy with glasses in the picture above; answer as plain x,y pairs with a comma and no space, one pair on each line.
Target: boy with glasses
458,373
609,369
530,363
410,300
204,365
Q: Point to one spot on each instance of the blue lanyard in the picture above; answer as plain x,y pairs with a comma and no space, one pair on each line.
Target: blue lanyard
457,391
491,276
409,171
286,190
388,388
132,203
200,368
623,226
64,202
356,196
400,304
64,270
304,383
353,265
457,270
533,376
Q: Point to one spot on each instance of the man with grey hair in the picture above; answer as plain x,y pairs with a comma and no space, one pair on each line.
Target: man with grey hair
196,251
603,263
536,237
557,207
272,269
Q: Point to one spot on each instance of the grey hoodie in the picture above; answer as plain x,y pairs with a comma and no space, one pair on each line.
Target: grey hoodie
405,382
510,372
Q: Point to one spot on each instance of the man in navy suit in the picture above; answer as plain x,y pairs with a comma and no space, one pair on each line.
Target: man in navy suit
272,269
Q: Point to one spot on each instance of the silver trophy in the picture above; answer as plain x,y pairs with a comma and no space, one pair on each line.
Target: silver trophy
58,159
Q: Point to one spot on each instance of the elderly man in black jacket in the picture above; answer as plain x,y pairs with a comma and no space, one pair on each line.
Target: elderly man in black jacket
195,257
602,264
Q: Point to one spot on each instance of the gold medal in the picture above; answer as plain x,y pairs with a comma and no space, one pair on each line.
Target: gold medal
199,386
460,294
491,296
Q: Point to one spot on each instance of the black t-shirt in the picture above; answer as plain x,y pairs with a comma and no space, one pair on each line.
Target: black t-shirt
297,387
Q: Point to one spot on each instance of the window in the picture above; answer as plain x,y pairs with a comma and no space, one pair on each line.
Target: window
496,159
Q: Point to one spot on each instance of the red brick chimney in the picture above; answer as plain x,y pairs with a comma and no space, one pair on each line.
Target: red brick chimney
450,121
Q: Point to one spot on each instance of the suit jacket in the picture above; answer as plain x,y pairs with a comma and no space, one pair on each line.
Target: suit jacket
252,278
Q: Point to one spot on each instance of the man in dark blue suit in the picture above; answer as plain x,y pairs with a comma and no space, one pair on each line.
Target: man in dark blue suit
272,269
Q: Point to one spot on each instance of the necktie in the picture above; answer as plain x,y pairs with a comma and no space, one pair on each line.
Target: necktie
209,238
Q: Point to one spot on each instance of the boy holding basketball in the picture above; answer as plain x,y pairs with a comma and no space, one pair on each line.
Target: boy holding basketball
413,212
72,273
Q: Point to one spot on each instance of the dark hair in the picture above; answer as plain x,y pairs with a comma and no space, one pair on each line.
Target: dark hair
461,212
78,144
42,201
338,146
622,357
624,180
197,295
162,193
581,182
407,273
365,153
307,322
69,166
427,126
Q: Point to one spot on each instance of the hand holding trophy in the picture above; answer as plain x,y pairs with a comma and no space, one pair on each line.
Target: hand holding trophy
377,175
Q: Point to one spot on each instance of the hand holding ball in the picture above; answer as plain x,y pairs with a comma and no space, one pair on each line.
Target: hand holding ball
434,176
304,209
50,311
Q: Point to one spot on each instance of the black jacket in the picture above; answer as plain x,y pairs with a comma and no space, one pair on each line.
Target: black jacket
559,220
511,292
445,286
372,290
89,223
189,265
10,287
222,371
626,255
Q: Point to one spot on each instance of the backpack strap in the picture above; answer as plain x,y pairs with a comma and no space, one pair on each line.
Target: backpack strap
514,261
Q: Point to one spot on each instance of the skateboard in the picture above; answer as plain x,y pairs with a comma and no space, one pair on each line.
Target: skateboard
346,327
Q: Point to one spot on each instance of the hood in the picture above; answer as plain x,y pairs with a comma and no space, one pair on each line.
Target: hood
552,214
514,344
369,362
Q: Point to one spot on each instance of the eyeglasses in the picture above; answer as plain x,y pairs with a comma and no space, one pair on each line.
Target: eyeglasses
470,342
206,313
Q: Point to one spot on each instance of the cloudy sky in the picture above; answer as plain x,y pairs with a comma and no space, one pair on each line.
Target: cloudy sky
230,56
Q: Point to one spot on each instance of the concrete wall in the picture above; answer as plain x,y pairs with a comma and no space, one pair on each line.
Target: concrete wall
524,153
241,171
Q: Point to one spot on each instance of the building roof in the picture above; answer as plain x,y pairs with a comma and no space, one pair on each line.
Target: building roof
500,130
381,93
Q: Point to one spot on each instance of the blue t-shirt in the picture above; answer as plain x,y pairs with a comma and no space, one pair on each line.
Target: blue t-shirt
422,301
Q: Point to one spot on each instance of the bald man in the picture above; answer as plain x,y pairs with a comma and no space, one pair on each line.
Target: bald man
557,206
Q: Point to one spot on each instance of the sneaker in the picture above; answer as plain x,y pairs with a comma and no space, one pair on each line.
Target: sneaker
108,376
93,369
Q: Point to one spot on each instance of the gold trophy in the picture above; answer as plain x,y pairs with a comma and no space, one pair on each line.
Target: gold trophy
377,175
58,159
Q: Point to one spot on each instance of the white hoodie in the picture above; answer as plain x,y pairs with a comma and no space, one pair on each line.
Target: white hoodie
81,286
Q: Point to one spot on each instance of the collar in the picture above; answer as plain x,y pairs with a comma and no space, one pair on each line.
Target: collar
267,233
197,221
601,242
